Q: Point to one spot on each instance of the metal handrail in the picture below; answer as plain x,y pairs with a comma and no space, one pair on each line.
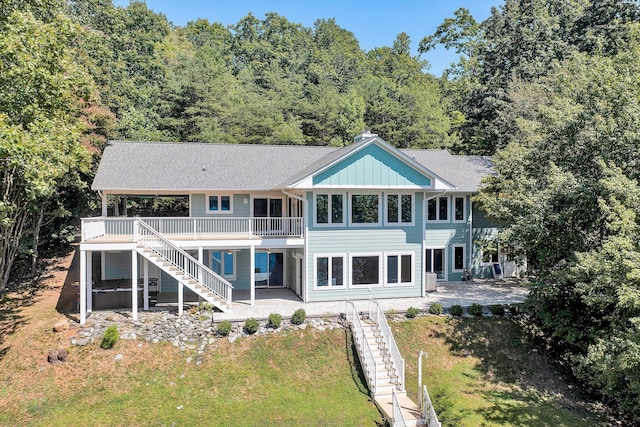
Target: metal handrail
398,416
362,346
377,315
428,411
181,260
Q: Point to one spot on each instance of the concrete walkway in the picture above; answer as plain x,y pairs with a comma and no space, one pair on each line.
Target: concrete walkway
285,302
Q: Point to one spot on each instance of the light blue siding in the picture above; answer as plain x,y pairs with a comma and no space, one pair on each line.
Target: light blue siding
371,166
199,206
483,230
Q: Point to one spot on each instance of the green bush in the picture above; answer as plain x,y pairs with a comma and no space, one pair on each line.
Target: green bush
251,325
206,306
456,310
224,328
475,309
274,320
412,312
110,337
497,309
436,308
299,316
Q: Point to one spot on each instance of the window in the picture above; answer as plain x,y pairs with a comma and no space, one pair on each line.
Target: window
329,208
219,204
223,264
438,209
399,208
459,210
364,209
329,271
435,262
399,269
458,258
365,270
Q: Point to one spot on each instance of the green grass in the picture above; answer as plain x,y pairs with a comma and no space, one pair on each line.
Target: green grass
481,372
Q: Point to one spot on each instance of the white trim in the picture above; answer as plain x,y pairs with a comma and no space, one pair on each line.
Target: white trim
445,267
222,266
269,197
372,187
330,256
453,257
453,208
437,201
386,256
219,195
329,209
380,270
350,209
399,223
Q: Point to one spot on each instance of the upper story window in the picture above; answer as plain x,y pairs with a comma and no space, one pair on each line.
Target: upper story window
399,209
438,209
459,208
329,209
219,204
365,209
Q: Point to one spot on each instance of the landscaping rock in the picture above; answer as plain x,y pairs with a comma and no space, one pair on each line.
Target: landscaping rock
61,325
57,356
119,357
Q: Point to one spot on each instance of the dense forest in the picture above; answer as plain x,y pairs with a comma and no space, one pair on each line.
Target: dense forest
550,89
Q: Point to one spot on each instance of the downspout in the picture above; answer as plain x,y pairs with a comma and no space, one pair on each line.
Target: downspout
425,209
470,234
303,285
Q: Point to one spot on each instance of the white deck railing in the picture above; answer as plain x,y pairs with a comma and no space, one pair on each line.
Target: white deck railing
398,416
121,228
362,346
182,261
377,315
428,412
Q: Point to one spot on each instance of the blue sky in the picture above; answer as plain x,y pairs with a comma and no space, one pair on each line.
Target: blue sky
375,23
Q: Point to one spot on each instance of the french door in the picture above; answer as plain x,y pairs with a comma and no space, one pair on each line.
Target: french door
268,214
435,262
269,269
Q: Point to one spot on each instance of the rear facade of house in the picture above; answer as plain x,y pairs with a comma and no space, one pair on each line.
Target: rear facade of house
366,220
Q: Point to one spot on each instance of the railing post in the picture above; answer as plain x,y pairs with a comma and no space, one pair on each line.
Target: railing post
136,231
195,228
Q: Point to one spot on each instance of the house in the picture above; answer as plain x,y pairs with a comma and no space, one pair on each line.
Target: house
366,220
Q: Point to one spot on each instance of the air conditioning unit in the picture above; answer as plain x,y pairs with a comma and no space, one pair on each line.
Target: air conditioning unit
431,282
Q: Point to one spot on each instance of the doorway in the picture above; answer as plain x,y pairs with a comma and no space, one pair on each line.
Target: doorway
269,269
268,214
435,262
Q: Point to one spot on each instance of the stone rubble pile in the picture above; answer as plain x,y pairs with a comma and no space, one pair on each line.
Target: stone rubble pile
192,331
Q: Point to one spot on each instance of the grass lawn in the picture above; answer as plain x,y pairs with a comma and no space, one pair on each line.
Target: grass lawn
482,372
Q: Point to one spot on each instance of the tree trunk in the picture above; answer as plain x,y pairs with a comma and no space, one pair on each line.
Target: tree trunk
36,240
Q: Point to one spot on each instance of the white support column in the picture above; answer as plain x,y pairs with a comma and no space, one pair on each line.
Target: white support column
103,263
146,284
134,285
104,204
89,281
252,275
180,298
201,260
83,287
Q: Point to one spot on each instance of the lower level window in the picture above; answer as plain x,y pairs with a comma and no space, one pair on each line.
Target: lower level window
365,270
399,269
329,271
222,263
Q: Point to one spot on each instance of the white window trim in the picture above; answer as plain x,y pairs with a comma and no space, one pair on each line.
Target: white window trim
445,260
464,209
218,195
315,209
350,209
386,269
453,258
315,271
437,199
400,223
380,270
235,261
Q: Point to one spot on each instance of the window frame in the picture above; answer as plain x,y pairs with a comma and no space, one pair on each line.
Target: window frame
350,209
386,269
438,200
399,223
330,256
329,222
219,196
453,257
464,209
380,270
222,263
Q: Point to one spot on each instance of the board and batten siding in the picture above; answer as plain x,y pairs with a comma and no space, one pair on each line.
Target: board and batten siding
371,166
383,239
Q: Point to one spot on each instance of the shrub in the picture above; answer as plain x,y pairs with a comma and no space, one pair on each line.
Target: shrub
475,309
412,312
456,310
436,308
224,328
110,337
251,325
299,316
274,320
497,309
206,306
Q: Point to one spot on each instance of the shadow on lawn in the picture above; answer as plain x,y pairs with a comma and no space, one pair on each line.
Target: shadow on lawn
11,318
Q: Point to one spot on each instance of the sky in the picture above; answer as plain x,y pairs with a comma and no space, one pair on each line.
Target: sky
375,23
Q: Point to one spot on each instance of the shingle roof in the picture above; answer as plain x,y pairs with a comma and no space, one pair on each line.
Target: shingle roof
181,167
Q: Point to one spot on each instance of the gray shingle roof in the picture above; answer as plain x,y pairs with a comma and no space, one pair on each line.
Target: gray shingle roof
181,167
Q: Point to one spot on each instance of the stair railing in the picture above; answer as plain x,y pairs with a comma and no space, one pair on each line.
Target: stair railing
182,261
398,416
362,346
428,412
377,315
